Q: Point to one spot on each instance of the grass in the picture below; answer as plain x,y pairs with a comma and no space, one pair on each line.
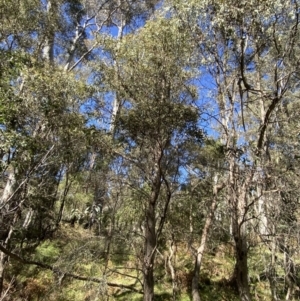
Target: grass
78,251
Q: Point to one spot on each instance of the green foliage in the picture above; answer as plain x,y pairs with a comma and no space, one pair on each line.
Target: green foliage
79,193
48,252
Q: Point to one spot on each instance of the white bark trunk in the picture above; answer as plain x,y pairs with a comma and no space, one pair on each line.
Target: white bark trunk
116,105
172,249
8,191
48,48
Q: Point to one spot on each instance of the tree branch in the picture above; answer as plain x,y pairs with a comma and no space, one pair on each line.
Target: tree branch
60,272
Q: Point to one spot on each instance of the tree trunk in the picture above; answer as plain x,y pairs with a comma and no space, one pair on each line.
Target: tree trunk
5,201
116,105
150,227
241,267
289,269
3,260
4,205
241,248
200,250
172,249
149,256
48,47
195,280
238,197
271,274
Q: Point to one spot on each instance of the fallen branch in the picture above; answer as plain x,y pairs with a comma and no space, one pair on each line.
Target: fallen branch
65,274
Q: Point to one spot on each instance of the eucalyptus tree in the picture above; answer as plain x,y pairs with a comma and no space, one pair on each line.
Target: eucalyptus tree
153,80
207,180
250,53
282,210
126,17
40,124
45,137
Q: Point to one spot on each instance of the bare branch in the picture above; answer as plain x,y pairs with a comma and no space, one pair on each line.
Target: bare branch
65,274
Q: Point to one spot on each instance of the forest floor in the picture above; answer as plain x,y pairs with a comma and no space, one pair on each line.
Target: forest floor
77,251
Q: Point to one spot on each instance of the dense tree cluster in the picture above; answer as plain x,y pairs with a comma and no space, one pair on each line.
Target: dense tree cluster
142,140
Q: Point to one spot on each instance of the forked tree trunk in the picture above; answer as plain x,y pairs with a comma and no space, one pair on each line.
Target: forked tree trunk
172,254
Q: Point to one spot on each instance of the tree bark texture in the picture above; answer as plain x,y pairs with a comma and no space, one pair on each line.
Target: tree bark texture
150,227
3,260
238,198
241,267
150,246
